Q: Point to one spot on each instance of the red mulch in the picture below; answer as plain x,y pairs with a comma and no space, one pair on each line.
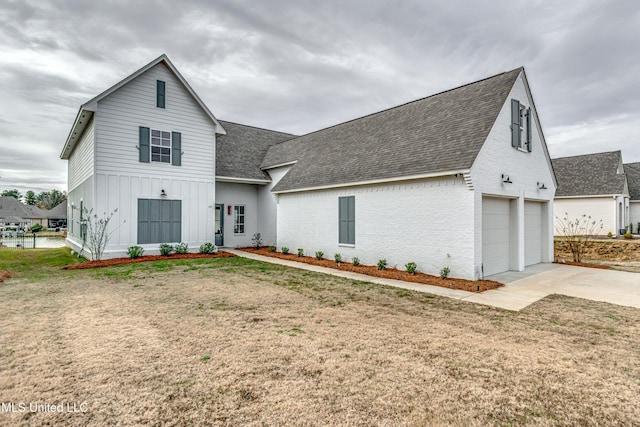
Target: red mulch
584,264
4,275
389,273
121,261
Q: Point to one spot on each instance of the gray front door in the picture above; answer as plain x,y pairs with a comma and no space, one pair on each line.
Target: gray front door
219,225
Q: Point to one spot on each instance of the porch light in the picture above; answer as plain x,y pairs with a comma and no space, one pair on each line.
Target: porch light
506,179
163,194
541,186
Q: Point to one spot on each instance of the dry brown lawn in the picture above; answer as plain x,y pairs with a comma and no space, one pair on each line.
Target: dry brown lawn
238,342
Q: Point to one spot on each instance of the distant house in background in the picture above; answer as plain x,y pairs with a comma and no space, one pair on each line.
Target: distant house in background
632,170
594,185
14,213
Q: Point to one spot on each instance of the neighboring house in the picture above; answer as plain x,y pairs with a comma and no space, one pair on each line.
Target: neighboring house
594,185
13,212
460,179
632,171
57,216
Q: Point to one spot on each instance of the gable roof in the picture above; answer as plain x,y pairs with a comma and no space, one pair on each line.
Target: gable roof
589,175
437,134
58,212
632,170
12,207
239,153
88,108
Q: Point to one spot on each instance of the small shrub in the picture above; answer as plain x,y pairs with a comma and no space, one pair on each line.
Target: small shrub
257,240
272,248
382,264
207,248
610,234
135,251
628,236
444,273
166,249
300,252
356,260
338,258
285,250
182,248
319,255
411,267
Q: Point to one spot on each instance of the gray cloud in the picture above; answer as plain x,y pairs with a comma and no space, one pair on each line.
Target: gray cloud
300,66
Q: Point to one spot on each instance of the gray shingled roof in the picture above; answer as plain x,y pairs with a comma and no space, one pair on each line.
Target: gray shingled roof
632,170
240,152
59,212
589,174
10,206
443,132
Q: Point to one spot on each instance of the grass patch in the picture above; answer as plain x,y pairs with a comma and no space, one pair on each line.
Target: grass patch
36,264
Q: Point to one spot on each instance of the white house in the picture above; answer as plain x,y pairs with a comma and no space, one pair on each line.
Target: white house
594,185
461,179
632,171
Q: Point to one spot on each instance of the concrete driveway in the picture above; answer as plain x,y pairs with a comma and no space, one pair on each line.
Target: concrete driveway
538,281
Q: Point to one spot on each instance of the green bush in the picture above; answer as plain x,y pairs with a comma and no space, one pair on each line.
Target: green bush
355,261
338,258
272,248
135,251
444,273
610,234
300,252
382,264
411,267
319,255
182,248
285,250
628,236
166,249
207,248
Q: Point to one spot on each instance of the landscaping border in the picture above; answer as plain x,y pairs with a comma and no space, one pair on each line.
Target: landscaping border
147,258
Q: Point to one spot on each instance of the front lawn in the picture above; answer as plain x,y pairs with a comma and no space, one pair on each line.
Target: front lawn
234,342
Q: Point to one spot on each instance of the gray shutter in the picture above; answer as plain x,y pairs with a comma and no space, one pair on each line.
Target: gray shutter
176,220
351,220
143,144
529,141
515,123
176,148
143,221
160,96
155,221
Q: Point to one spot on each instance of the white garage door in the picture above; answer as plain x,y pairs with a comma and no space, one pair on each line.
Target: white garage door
532,233
495,235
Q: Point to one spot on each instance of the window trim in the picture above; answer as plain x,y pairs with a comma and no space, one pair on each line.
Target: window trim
236,216
168,147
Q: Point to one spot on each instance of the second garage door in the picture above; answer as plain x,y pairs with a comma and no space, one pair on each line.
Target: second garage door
532,233
495,235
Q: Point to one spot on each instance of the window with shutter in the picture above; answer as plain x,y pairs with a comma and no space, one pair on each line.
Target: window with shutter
347,220
520,126
160,94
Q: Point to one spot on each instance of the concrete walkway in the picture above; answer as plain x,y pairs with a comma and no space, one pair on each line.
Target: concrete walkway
521,288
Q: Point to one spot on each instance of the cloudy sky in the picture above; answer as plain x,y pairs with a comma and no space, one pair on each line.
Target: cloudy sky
298,66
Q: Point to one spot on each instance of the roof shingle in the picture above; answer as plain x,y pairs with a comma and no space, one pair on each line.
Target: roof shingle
443,132
632,170
589,174
240,152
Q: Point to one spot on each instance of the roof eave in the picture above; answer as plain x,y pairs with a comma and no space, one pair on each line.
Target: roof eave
76,131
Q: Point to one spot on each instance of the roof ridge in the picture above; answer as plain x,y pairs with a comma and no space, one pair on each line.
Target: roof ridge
259,128
404,104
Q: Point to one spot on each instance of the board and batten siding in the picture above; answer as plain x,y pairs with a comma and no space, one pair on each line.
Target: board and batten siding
81,161
524,169
120,114
428,222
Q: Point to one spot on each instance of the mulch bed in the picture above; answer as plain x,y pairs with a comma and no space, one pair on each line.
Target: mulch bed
4,275
389,273
121,261
584,264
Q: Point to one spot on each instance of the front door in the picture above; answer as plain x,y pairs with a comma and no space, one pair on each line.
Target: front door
219,225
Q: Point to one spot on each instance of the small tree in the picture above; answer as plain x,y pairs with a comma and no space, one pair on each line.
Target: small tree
257,240
577,233
30,198
98,234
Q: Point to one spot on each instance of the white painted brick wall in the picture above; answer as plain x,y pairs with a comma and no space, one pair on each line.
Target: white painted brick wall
598,208
634,214
427,221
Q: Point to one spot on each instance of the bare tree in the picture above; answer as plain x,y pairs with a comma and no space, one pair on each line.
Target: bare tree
577,233
97,233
